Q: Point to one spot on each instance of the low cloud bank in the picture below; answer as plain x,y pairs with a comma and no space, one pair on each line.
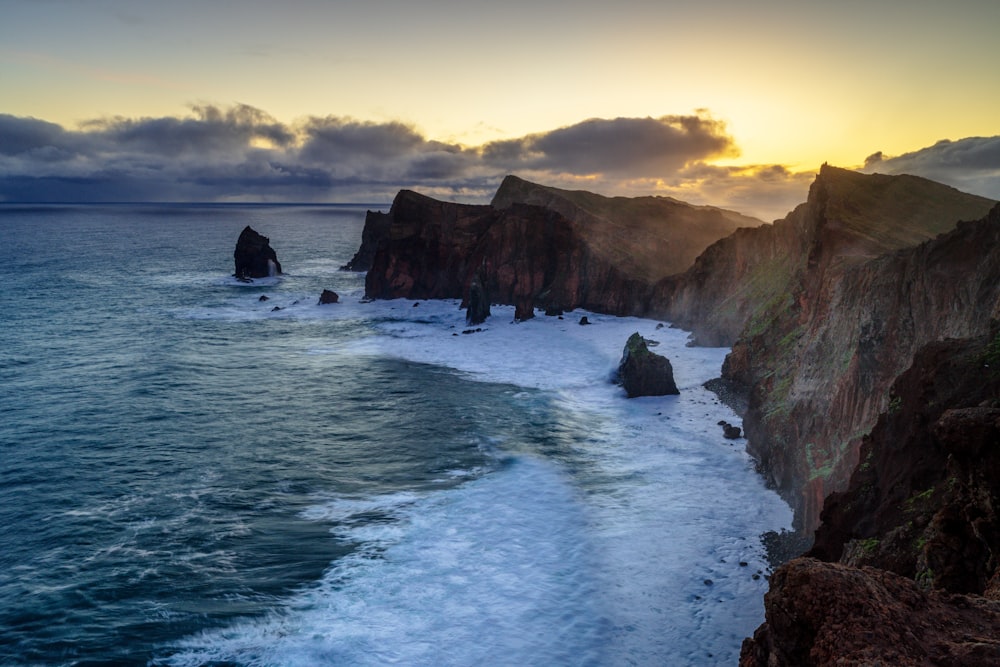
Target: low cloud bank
241,153
971,164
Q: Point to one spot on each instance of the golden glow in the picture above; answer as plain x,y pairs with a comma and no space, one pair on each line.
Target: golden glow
797,84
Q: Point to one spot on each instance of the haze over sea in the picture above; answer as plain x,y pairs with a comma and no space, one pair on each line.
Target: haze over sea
189,476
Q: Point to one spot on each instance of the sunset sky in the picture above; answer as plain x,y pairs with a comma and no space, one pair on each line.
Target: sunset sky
732,103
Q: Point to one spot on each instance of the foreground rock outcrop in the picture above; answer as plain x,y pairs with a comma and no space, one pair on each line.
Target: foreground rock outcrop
539,247
645,373
824,614
254,256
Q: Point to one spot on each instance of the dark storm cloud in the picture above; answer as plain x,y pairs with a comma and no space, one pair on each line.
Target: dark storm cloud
210,129
23,135
640,147
332,139
971,164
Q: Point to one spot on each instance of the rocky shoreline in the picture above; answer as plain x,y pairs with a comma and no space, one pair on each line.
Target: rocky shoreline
824,311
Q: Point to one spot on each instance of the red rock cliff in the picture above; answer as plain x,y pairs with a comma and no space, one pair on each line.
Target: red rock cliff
825,308
538,246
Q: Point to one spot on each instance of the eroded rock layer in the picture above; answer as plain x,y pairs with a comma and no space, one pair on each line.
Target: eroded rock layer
825,308
539,247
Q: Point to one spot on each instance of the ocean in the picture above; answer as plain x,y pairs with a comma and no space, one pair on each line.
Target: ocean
192,474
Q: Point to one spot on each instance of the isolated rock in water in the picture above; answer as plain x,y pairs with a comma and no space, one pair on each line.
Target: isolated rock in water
645,373
584,321
479,303
328,296
731,432
254,256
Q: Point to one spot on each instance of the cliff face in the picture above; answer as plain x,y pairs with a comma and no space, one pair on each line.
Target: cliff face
647,238
823,309
830,305
916,534
925,502
537,246
375,229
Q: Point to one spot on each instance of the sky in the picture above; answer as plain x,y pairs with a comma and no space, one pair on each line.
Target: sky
722,102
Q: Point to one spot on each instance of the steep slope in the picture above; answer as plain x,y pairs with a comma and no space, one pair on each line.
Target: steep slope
917,533
925,501
572,250
647,238
826,307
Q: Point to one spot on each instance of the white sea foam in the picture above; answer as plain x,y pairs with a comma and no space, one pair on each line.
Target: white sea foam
643,553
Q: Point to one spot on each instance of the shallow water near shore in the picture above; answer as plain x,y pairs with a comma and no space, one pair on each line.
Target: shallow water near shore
190,476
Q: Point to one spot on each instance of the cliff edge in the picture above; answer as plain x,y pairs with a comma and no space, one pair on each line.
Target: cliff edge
539,247
825,308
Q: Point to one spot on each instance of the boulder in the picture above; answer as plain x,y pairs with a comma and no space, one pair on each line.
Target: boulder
645,373
254,256
328,296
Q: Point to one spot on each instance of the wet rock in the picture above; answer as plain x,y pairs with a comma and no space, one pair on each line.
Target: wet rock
479,302
254,257
584,321
328,296
263,297
645,373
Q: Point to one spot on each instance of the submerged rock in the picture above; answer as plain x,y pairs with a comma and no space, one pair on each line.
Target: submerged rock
645,373
254,256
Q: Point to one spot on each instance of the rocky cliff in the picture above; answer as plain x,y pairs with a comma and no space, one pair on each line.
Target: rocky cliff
540,247
915,537
825,308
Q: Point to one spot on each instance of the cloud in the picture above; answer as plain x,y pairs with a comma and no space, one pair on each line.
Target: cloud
971,164
639,147
242,153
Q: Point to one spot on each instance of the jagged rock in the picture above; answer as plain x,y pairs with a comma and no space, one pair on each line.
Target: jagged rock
577,249
925,500
825,308
375,230
263,297
254,256
584,321
824,614
478,302
645,373
328,296
916,534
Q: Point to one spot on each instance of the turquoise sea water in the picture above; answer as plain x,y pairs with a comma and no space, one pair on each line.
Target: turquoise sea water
189,476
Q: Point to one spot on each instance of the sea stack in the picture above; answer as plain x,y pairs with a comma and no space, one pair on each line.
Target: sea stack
254,256
645,373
